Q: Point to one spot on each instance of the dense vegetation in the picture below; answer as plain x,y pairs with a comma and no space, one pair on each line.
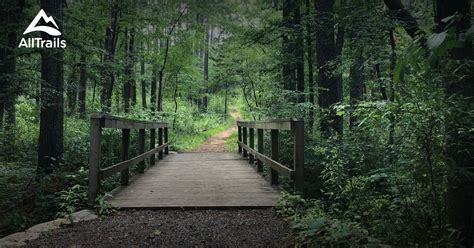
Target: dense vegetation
385,89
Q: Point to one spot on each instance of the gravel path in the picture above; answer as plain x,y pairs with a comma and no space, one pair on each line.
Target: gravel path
174,228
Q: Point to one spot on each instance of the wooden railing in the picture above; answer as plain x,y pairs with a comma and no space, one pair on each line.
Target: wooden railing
246,143
99,121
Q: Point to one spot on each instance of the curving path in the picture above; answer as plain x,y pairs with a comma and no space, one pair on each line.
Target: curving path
217,142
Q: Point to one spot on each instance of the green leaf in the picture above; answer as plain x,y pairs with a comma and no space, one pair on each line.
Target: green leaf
340,113
447,19
435,40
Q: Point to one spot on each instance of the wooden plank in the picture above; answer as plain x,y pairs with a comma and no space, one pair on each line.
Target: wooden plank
202,156
109,121
274,165
278,124
94,160
197,180
106,172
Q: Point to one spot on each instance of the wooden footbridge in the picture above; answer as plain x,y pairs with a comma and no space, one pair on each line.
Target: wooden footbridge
195,180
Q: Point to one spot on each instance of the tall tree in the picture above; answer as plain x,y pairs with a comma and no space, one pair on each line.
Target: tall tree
207,46
289,46
161,73
127,87
8,79
82,86
309,48
459,90
330,83
108,77
143,82
50,146
71,90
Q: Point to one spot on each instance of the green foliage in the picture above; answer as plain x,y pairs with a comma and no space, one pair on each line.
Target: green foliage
311,226
72,199
103,207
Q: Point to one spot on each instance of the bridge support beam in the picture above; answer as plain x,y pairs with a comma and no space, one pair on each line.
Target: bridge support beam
141,149
160,142
259,149
94,160
275,155
239,137
124,174
297,128
152,145
166,140
251,144
244,134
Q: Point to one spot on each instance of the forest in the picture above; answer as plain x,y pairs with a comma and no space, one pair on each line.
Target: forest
385,90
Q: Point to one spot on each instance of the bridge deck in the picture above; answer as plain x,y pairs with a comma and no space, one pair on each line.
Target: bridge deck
197,180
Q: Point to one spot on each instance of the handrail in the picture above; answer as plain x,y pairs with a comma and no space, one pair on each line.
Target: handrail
100,121
295,172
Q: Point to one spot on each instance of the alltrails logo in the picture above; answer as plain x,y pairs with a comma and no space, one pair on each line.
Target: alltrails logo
39,42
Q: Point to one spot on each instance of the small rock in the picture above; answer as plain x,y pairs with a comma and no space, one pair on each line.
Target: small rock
83,215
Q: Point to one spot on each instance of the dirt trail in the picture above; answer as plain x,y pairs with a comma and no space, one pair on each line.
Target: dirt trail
217,142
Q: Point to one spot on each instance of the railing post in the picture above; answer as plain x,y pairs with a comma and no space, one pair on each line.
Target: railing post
166,141
251,144
141,149
259,148
160,142
152,145
244,134
297,127
94,159
275,155
239,136
125,145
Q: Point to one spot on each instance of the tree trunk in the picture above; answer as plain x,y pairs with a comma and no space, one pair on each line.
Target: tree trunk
71,92
108,77
398,12
330,85
9,82
143,82
175,95
2,111
356,77
126,81
133,84
82,86
299,52
459,143
153,100
206,68
309,48
50,153
289,48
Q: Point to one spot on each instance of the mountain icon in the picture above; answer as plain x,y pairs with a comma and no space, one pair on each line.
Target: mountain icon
47,19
